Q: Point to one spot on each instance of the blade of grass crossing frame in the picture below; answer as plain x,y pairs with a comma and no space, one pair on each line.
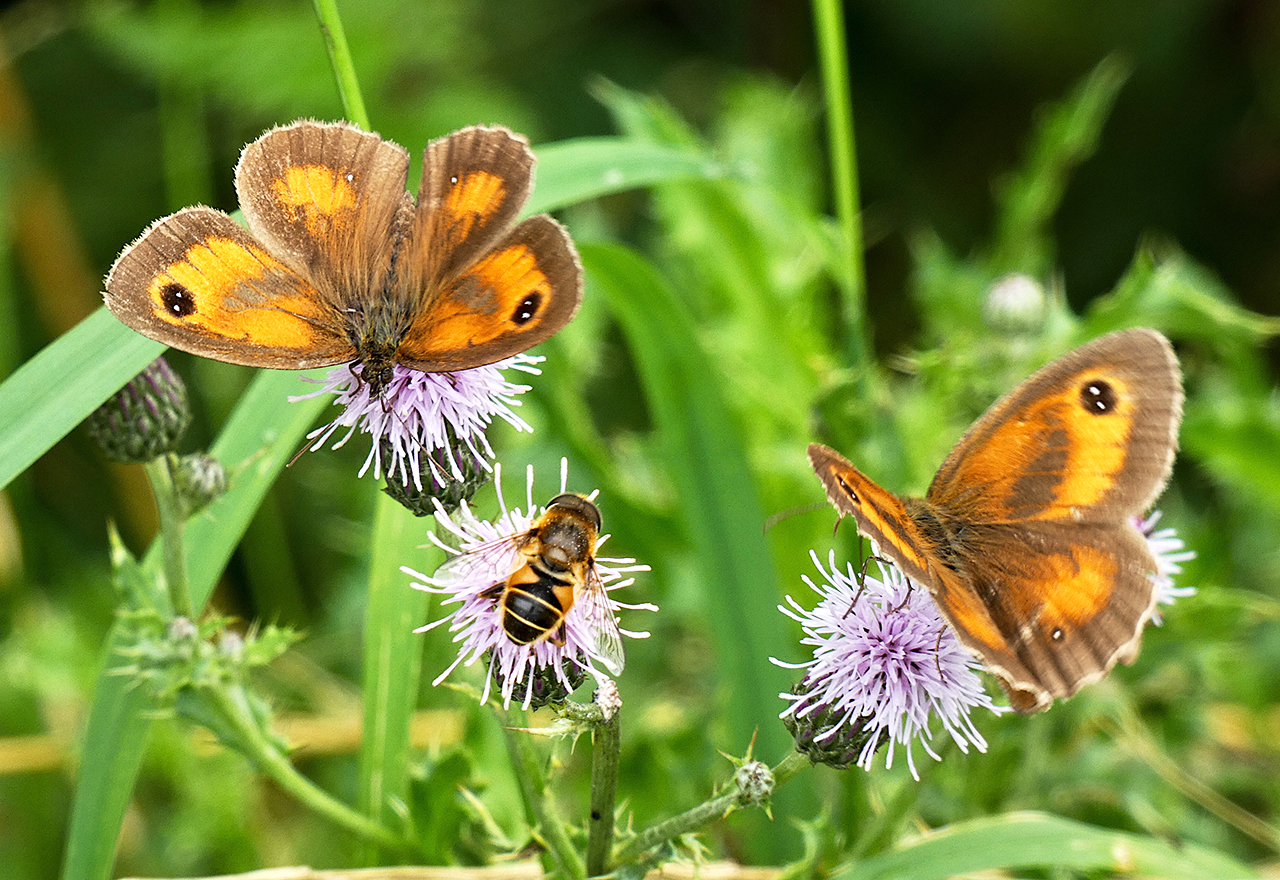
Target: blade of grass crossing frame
392,661
1031,840
706,459
53,392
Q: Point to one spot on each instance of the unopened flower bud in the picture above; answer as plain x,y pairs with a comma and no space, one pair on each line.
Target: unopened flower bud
439,480
144,419
755,782
199,479
827,736
543,686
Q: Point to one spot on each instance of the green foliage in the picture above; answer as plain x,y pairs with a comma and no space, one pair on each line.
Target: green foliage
721,332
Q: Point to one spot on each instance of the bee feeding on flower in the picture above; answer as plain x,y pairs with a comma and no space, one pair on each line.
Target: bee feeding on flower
533,594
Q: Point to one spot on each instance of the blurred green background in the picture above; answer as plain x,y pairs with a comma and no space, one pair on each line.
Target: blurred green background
112,114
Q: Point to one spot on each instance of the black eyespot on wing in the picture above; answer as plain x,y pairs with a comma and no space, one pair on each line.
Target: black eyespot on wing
1098,397
177,300
528,309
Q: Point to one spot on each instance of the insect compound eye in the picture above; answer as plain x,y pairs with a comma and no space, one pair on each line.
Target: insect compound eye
579,505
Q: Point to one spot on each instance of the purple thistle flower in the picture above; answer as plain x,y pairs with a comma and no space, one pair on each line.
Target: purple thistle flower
413,417
884,663
1169,552
486,556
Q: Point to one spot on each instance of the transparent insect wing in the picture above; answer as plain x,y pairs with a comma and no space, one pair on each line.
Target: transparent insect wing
598,613
495,560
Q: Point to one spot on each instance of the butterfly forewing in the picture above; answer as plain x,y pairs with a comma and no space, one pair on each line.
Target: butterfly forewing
881,516
1091,436
198,281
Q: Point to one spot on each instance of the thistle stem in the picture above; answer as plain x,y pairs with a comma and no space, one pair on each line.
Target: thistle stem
344,71
232,706
703,814
172,513
607,748
533,787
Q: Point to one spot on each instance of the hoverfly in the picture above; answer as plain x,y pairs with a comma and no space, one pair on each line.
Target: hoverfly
555,570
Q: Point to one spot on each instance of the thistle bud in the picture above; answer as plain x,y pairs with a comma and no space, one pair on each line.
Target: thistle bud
542,684
199,479
440,481
827,736
145,419
1016,303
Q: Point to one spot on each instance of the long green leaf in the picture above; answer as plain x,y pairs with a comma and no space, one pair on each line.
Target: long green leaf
1034,840
576,170
706,459
392,659
53,392
260,436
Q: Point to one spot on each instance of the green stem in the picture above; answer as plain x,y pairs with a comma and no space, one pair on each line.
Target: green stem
1133,735
344,71
233,708
533,787
172,512
607,747
851,272
789,768
704,814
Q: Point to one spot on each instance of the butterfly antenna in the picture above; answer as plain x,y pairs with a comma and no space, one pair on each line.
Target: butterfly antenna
937,654
861,577
911,585
790,512
306,443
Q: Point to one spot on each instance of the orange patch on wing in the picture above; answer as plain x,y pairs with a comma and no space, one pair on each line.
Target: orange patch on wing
474,198
882,518
494,288
968,616
277,327
513,272
315,194
240,292
1077,587
1098,448
1095,447
214,268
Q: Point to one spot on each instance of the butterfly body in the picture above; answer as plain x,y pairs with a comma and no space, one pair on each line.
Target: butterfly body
1026,535
341,264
